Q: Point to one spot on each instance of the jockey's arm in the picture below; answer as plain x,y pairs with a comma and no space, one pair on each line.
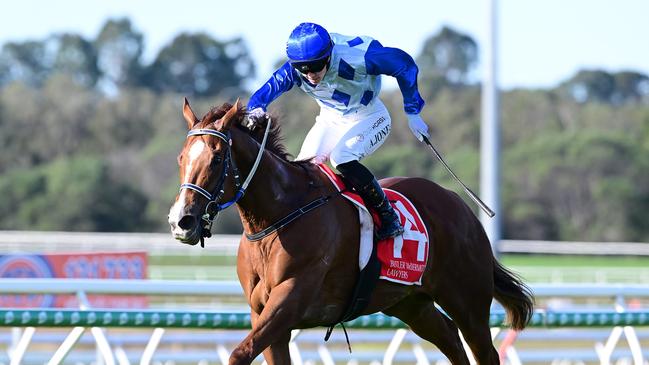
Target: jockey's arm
281,82
394,62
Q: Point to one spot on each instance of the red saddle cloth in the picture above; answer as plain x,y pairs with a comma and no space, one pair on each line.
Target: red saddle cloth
403,258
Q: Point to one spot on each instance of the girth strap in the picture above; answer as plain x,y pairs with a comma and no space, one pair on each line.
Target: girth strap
289,218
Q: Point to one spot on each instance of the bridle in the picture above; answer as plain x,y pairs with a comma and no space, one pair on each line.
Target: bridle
214,206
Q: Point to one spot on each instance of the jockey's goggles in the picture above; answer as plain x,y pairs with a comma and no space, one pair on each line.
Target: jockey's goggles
310,66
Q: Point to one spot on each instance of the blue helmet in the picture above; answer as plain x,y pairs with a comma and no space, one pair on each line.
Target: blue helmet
308,42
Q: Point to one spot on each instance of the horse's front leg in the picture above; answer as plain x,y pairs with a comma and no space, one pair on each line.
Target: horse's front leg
272,327
277,353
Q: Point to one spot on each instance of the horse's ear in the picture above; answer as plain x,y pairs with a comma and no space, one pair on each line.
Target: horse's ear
189,115
229,116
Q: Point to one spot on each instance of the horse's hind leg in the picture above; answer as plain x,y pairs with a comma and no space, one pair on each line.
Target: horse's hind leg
429,323
472,317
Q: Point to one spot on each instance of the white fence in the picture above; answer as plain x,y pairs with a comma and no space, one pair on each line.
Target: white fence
616,344
108,347
163,243
228,288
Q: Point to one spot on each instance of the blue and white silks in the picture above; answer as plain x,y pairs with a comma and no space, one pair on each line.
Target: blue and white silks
352,81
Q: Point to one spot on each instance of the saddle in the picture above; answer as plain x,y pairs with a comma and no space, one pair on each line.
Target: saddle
400,259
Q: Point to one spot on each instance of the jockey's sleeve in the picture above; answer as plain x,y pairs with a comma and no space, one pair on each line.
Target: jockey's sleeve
394,62
281,82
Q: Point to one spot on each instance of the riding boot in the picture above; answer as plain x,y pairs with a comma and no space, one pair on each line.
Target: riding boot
374,196
369,189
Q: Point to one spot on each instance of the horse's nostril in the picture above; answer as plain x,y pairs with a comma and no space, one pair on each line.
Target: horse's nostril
187,222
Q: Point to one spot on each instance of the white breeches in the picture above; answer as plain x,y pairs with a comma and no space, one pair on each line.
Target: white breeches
344,138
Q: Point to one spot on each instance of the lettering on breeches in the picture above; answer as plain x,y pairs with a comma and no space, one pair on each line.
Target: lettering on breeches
381,134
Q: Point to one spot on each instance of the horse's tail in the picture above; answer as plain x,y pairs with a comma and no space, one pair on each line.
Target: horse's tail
514,295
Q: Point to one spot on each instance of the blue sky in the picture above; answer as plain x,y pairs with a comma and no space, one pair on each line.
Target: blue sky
541,42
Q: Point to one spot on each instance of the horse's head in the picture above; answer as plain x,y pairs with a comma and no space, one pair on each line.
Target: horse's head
204,162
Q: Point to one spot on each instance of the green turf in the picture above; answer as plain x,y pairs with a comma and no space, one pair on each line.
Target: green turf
509,260
532,268
574,261
192,260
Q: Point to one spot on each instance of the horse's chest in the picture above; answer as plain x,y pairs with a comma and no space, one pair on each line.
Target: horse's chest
262,287
281,276
258,291
259,297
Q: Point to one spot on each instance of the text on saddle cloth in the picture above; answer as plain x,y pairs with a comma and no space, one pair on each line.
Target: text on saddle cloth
403,258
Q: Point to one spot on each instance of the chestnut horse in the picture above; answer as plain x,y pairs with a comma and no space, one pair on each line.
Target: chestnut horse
302,274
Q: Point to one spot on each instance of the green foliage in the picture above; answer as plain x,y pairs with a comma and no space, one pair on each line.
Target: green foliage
23,62
407,160
119,48
193,64
448,58
601,86
73,194
576,186
40,125
34,62
196,64
75,57
82,157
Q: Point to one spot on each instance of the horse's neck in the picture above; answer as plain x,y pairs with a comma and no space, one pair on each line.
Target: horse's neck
272,191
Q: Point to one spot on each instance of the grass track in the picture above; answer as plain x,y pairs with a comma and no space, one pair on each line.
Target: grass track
569,261
533,268
509,260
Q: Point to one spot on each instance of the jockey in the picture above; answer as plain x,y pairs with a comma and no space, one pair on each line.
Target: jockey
342,74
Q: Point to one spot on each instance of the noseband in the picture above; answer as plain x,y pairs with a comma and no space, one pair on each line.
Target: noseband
214,206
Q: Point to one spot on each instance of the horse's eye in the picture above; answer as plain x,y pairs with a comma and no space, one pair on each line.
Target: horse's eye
217,160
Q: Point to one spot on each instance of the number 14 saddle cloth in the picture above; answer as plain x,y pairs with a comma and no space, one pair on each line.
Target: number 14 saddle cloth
403,258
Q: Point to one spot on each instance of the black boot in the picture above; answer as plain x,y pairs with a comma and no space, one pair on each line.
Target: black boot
374,196
369,189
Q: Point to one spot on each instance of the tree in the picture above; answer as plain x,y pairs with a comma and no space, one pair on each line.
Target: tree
124,121
17,125
24,61
448,58
589,85
33,62
40,125
602,86
196,64
527,113
119,48
75,56
572,186
77,194
631,86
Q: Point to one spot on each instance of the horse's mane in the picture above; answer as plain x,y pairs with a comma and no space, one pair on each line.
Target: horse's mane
274,143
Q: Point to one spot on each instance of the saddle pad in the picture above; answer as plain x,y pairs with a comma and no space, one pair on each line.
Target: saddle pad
403,258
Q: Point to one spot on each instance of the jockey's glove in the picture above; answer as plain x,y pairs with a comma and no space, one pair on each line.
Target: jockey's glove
253,116
418,126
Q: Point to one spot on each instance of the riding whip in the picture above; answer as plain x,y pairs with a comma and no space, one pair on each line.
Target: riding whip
468,191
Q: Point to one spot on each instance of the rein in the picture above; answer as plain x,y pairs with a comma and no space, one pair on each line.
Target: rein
213,206
289,218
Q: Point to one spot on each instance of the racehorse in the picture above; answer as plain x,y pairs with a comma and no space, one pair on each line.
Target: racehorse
301,273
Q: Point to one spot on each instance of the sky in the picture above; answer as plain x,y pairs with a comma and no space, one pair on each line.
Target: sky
540,42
